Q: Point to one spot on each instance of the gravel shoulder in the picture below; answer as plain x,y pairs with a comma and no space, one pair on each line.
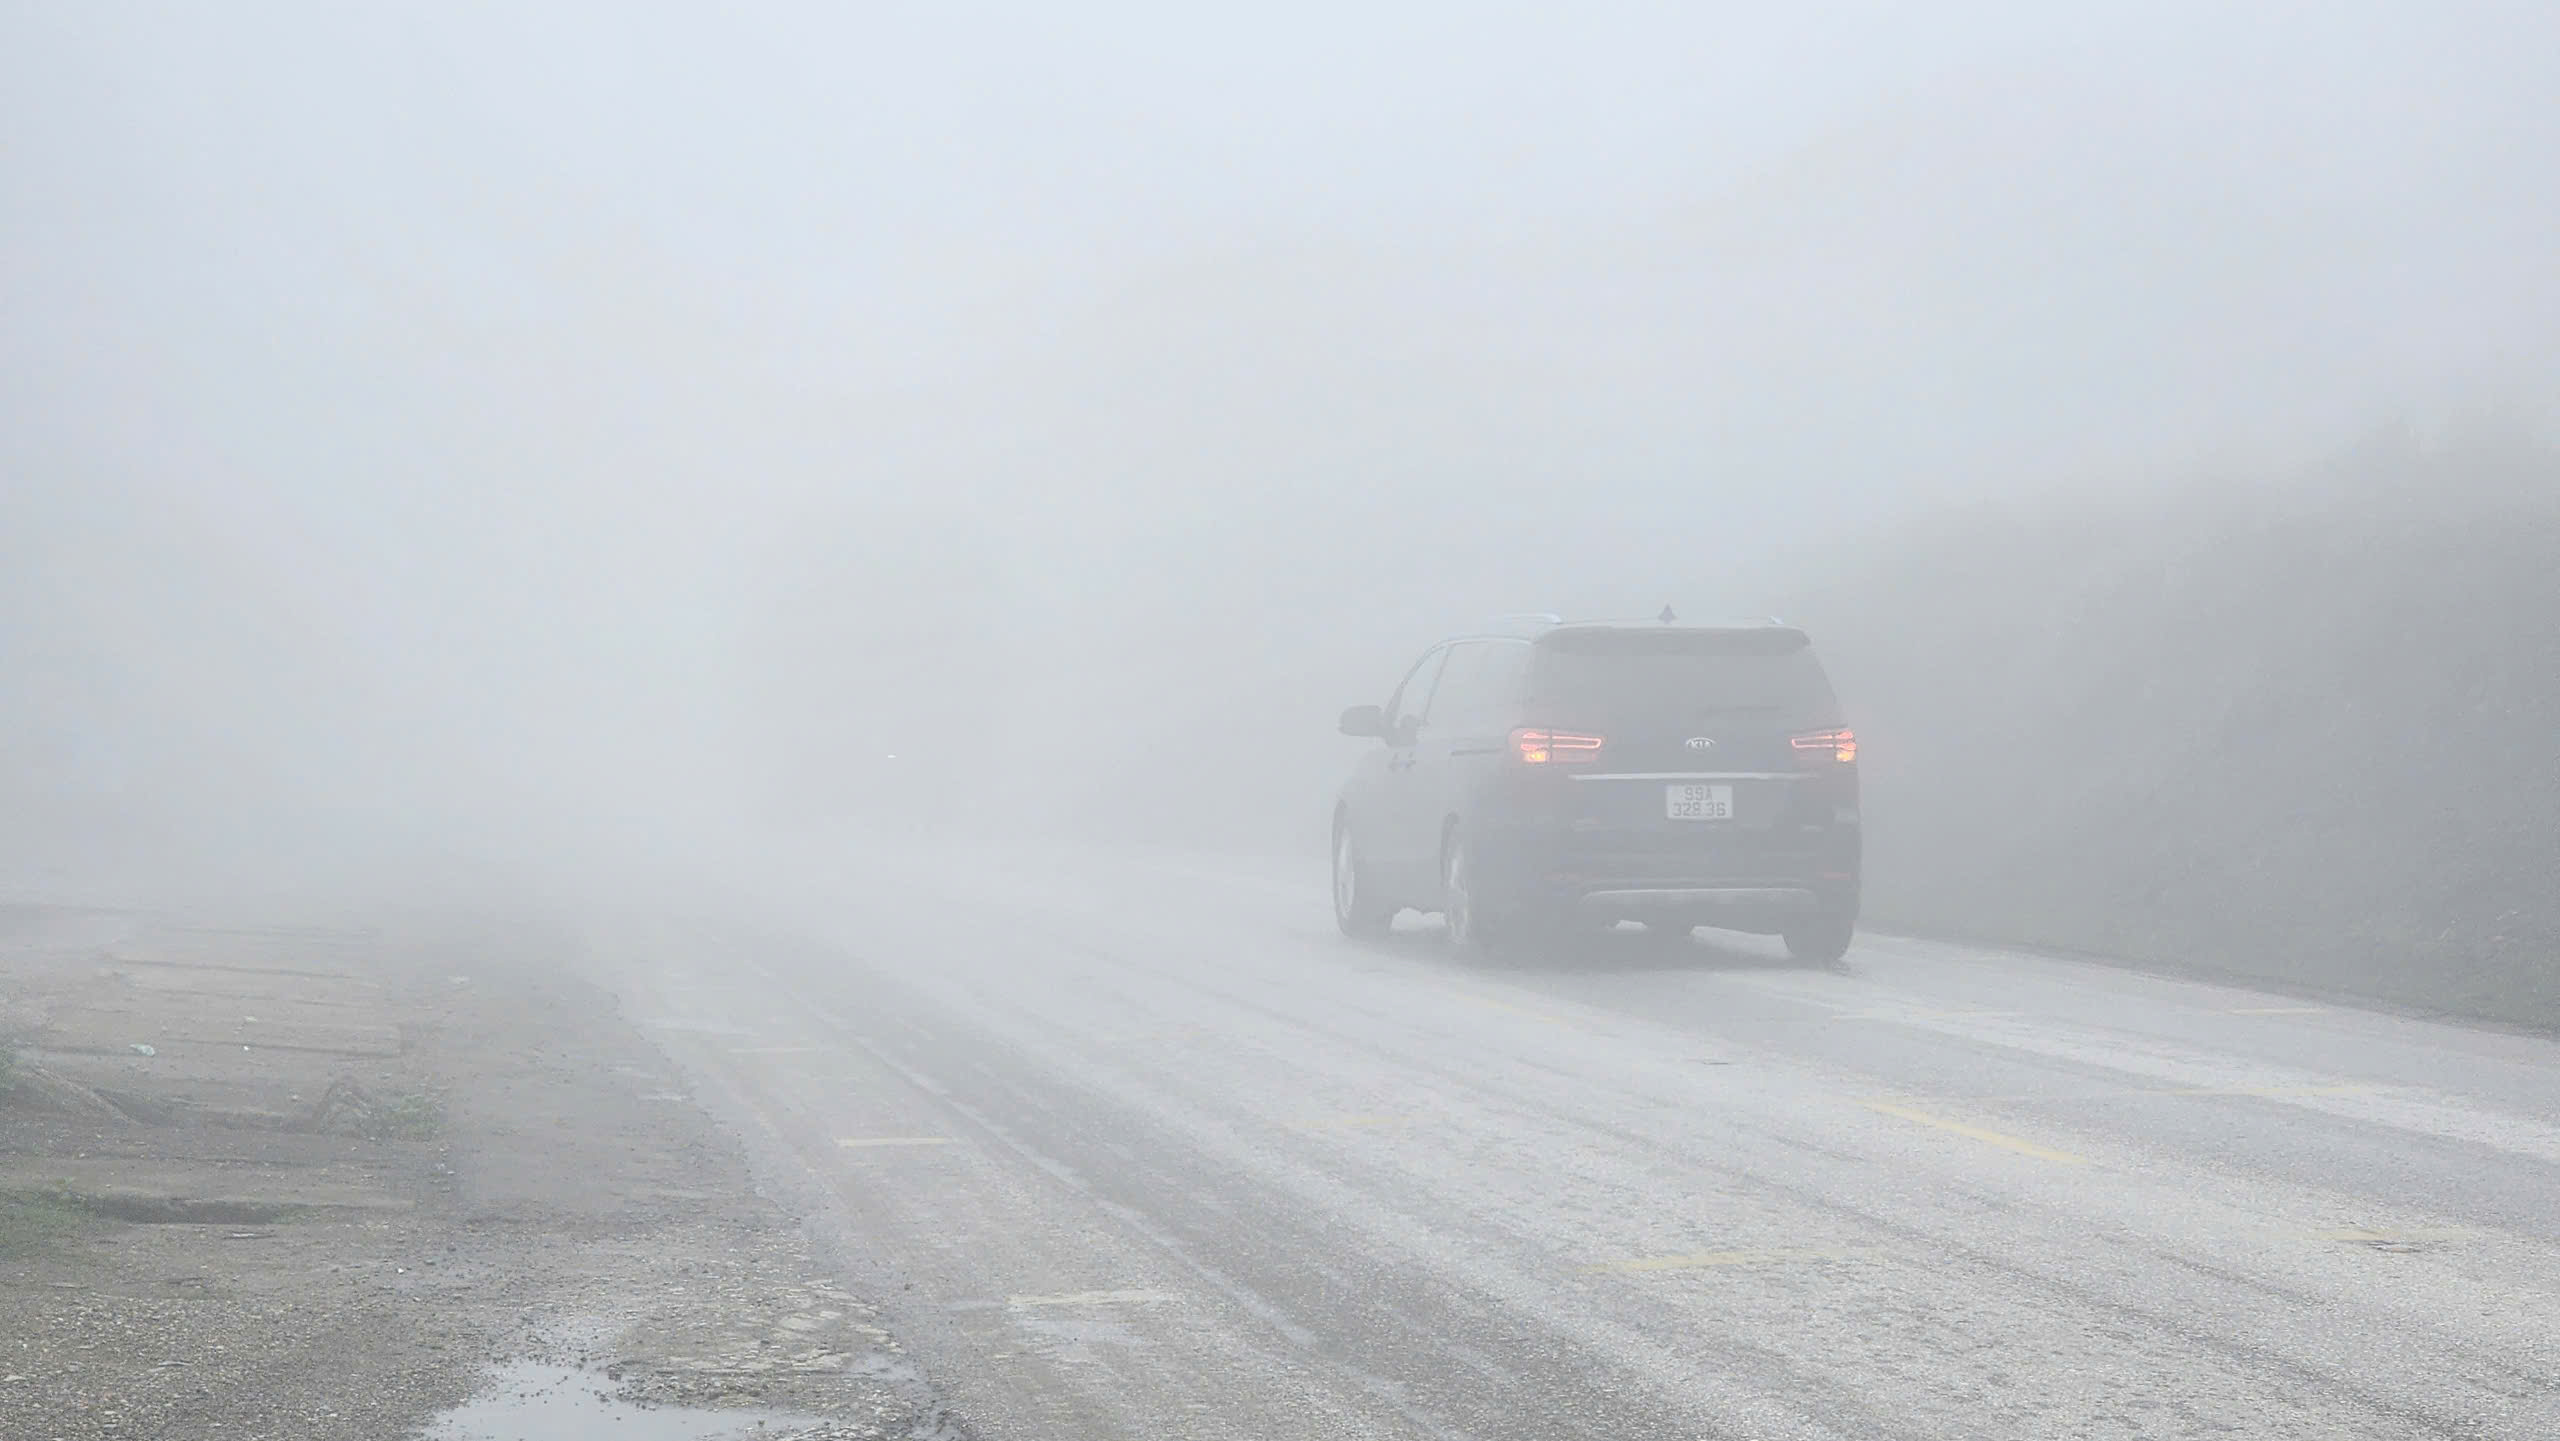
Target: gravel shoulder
305,1183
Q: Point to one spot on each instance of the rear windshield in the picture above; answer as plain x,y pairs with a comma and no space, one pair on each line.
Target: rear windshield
1629,672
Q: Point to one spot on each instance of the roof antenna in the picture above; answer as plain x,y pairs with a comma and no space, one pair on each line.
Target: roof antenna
1667,616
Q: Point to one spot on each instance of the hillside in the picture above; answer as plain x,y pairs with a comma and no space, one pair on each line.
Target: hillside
2309,735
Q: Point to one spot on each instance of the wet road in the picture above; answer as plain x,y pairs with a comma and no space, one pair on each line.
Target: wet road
1144,1149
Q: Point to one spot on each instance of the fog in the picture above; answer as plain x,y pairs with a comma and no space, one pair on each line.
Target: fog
457,436
674,684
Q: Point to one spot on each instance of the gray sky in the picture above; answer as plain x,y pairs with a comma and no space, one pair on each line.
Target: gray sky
415,407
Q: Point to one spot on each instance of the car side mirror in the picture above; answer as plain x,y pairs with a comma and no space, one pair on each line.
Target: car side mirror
1366,721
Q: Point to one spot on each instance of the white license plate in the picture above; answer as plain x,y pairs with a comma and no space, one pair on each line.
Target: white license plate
1698,802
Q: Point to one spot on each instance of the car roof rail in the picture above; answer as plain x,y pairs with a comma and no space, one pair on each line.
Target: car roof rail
1525,620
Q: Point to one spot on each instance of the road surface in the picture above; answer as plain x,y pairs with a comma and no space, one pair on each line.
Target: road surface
1143,1149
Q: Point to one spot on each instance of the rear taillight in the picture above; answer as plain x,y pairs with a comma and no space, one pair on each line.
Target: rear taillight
1820,747
1563,748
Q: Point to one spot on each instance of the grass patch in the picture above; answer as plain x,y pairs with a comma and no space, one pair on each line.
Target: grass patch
348,1109
31,1222
410,1116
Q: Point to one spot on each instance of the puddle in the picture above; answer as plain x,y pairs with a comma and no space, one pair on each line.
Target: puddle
529,1402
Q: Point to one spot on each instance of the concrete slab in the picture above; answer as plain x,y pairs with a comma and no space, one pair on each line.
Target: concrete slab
109,1029
218,1085
160,1007
248,959
174,1191
297,987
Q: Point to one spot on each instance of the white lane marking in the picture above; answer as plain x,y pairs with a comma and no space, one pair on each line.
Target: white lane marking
1346,1122
1768,1256
858,1142
2271,1091
2396,1236
1090,1298
2174,1065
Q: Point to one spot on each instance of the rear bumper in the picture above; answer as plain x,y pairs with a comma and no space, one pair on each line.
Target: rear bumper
1700,900
1742,878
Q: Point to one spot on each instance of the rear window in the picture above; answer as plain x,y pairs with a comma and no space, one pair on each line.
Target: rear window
1768,670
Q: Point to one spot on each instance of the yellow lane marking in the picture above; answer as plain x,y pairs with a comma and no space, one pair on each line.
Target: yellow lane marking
853,1142
1773,1256
2273,1091
1090,1298
1987,1137
2275,1010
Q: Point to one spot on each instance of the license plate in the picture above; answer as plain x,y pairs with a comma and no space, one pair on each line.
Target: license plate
1698,802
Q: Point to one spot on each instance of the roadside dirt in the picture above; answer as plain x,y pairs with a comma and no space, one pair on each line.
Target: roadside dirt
320,1183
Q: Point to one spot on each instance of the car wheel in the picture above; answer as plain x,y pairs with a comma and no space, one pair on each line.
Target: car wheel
1479,924
1457,896
1819,940
1357,907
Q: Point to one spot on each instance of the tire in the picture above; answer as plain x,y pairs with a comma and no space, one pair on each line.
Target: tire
1473,930
1358,909
1819,940
1479,925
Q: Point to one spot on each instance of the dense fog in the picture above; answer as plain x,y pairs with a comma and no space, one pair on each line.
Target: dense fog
457,436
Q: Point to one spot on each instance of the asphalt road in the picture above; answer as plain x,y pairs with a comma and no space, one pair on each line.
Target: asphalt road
1145,1150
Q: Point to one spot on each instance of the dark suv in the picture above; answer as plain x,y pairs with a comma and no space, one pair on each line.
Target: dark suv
1584,774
